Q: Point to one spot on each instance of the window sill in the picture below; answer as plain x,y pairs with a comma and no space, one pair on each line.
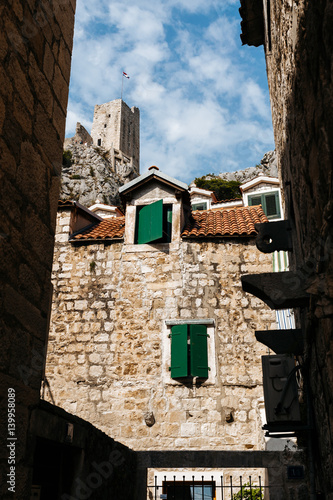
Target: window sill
150,247
188,382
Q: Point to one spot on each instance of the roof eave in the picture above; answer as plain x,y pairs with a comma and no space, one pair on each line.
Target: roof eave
152,174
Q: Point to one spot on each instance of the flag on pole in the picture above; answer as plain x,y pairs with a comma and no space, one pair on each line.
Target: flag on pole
125,74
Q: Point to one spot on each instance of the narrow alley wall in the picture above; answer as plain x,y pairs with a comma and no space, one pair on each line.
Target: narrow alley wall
35,56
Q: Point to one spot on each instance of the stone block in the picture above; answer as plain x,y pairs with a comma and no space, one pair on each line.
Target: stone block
95,371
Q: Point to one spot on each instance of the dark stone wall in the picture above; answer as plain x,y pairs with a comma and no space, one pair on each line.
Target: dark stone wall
35,57
300,80
89,464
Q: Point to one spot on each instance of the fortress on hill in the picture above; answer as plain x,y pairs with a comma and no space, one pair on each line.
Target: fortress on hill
116,129
107,158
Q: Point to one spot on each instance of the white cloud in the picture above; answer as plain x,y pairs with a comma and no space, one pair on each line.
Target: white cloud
201,101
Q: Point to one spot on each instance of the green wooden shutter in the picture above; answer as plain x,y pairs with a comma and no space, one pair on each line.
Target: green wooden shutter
199,352
150,222
179,363
272,204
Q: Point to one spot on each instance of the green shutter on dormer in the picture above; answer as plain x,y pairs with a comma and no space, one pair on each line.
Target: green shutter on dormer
179,349
199,353
150,222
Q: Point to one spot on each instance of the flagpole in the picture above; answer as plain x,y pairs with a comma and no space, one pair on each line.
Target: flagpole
122,85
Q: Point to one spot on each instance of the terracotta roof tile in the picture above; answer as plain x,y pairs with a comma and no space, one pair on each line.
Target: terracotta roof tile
215,223
107,229
237,221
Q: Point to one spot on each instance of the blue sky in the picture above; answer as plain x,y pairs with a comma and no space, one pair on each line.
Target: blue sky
203,98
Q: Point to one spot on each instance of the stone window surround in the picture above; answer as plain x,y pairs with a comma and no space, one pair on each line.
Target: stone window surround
130,222
166,349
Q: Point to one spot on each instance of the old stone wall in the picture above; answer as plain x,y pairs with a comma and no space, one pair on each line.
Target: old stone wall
299,67
35,56
81,136
109,351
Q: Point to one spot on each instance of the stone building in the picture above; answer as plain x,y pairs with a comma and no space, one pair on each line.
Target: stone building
297,37
151,336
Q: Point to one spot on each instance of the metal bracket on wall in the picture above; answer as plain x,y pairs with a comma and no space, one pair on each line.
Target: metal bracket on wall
274,236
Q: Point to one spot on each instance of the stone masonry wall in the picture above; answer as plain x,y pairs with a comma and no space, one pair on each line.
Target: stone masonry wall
300,80
108,347
35,58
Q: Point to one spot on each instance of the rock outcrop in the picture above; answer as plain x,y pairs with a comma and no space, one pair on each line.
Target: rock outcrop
268,166
90,176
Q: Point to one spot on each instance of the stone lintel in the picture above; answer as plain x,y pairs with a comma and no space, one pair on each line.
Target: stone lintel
172,322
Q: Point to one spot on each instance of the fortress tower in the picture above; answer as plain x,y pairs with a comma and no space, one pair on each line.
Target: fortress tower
116,128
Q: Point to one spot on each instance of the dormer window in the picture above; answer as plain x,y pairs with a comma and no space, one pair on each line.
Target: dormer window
270,203
200,206
153,223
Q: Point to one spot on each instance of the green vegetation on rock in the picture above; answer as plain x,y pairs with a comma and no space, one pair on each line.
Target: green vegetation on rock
67,159
223,190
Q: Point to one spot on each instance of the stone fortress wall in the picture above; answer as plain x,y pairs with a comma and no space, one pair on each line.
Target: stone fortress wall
116,126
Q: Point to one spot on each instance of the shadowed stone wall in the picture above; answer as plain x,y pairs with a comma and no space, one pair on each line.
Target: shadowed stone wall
299,69
35,56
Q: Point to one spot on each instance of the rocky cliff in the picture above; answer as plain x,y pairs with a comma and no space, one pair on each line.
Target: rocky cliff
89,176
267,166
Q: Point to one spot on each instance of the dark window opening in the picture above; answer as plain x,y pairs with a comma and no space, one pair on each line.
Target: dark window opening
99,142
269,33
199,206
188,490
55,467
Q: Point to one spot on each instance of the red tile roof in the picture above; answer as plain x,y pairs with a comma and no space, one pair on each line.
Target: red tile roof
108,229
237,221
214,223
